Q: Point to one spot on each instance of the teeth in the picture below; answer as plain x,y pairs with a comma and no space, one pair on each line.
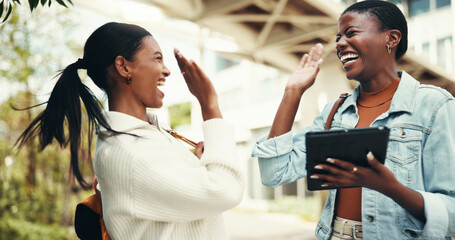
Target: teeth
349,55
160,83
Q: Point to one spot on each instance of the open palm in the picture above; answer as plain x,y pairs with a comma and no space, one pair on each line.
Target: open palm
303,77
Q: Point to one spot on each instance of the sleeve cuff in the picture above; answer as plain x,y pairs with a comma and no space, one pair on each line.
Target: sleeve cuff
273,147
218,136
437,218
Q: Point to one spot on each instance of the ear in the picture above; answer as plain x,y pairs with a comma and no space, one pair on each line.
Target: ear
121,65
393,38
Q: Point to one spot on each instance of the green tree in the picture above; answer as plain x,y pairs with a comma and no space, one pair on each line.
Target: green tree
34,186
6,6
180,114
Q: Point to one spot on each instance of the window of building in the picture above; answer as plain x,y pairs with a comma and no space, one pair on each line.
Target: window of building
223,63
444,49
442,3
396,2
417,7
426,50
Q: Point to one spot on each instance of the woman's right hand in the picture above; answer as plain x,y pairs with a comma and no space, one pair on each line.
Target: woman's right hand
200,86
303,77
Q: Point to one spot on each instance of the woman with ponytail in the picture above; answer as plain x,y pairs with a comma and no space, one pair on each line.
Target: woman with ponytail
151,186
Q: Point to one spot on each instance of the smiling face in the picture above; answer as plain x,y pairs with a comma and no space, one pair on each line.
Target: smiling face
361,46
148,72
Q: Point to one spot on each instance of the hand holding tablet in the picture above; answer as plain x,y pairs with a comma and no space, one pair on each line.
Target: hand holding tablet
350,145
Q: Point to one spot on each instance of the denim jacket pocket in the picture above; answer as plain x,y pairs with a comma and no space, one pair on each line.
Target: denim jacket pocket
404,145
403,152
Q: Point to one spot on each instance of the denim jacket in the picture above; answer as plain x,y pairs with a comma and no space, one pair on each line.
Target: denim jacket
421,154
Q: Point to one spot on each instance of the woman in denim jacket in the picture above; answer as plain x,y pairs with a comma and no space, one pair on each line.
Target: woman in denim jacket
411,196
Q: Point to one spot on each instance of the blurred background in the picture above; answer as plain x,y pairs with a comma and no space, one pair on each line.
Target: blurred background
247,47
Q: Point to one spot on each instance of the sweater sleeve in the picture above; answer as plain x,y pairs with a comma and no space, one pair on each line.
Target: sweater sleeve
166,182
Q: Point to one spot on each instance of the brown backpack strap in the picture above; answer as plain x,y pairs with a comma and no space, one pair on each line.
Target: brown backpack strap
335,107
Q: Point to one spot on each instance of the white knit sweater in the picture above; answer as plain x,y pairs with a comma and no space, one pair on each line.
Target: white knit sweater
152,187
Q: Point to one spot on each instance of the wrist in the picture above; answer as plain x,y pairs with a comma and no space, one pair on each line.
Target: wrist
392,189
296,88
293,94
210,111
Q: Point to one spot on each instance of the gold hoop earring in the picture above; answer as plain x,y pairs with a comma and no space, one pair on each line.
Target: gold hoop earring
389,50
128,80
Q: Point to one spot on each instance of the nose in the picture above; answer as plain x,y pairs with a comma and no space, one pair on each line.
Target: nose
341,44
166,71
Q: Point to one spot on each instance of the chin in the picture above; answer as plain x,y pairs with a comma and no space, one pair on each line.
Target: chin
159,105
351,75
155,105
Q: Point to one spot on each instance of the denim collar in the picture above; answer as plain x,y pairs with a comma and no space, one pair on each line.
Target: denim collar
403,100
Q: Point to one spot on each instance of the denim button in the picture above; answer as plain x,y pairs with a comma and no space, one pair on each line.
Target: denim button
370,218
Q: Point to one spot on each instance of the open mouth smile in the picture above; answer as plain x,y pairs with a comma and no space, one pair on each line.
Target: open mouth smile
349,58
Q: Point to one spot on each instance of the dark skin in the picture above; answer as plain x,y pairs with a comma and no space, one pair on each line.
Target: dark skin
362,48
147,72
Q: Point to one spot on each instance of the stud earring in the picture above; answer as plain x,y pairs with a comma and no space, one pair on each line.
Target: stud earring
128,80
389,50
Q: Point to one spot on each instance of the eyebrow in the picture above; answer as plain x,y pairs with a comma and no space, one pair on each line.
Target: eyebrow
338,34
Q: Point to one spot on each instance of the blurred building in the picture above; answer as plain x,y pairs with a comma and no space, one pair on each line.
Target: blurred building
249,48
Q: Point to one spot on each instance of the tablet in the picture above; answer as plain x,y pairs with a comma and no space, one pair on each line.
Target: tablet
348,144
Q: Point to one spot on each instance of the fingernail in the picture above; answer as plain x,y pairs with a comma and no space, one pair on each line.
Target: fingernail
314,177
320,61
330,160
318,167
370,156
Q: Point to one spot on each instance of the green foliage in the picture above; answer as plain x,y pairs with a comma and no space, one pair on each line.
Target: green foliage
180,114
307,208
6,6
37,200
24,230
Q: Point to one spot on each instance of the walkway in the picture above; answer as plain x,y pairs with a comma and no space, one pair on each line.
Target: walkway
249,225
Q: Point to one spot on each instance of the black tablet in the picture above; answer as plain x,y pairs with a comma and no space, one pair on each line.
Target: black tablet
348,144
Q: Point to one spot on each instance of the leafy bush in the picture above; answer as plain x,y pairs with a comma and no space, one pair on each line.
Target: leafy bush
307,208
23,230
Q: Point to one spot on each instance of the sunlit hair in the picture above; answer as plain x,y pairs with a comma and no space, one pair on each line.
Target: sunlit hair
390,17
102,47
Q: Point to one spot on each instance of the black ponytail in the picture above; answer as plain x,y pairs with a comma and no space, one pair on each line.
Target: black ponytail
64,105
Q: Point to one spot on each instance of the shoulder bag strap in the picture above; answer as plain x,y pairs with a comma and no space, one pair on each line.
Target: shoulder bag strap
335,107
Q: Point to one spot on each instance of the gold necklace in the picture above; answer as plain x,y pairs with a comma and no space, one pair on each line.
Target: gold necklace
358,103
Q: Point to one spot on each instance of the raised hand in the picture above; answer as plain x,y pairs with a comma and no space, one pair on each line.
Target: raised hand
200,86
303,77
